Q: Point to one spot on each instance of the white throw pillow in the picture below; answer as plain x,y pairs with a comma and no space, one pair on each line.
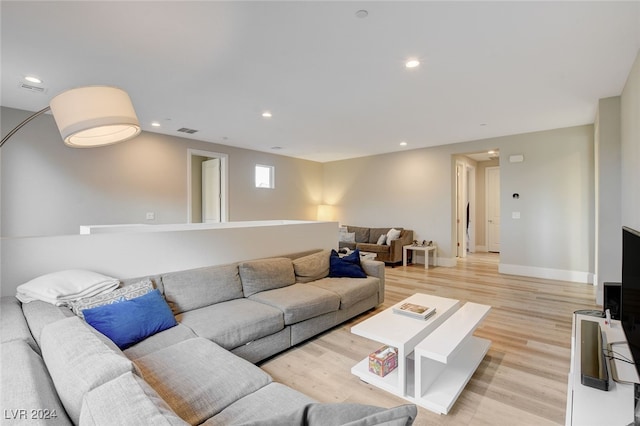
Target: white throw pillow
348,237
59,288
382,239
393,234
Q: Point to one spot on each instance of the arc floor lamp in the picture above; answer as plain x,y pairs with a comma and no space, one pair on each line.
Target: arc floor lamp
90,116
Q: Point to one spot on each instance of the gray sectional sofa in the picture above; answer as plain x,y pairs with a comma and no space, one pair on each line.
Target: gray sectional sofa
57,369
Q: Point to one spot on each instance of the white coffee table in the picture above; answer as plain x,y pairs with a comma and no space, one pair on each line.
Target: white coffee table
404,333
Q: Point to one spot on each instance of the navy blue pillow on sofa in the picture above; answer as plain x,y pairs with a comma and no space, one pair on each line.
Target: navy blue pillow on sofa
347,266
129,321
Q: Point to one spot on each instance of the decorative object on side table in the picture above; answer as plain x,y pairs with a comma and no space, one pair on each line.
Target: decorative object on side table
415,311
424,243
383,361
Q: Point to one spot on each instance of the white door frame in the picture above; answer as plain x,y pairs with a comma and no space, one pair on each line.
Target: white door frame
224,181
461,208
471,185
211,190
486,204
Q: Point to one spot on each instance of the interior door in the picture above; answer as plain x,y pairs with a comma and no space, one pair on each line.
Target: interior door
493,208
461,210
211,191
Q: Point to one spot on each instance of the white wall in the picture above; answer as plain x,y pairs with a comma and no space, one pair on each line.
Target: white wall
50,189
630,136
608,242
414,189
555,233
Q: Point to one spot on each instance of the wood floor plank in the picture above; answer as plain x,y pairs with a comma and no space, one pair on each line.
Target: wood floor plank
522,379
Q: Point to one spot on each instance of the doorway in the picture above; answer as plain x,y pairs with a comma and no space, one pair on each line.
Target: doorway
465,207
472,210
206,187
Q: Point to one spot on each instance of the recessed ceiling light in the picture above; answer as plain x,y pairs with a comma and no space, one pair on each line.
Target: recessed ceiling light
403,143
33,79
266,114
155,124
412,63
491,152
362,13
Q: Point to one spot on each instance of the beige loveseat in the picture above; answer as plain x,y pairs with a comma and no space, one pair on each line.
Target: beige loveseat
365,239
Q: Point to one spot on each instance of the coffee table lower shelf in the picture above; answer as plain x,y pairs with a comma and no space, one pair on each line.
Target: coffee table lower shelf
442,383
390,382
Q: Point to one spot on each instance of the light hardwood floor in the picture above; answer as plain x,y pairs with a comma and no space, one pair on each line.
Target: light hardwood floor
521,381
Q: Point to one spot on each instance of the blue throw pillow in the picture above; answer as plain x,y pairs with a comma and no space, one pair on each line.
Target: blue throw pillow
129,321
347,266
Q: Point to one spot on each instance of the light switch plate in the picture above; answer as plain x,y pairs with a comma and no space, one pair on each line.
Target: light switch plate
515,215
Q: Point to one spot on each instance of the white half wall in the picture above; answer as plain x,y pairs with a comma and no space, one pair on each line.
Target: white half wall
134,254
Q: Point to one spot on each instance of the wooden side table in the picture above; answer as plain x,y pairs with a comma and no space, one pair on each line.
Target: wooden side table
425,249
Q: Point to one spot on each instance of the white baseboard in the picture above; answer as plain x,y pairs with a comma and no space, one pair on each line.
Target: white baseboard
418,258
447,261
546,273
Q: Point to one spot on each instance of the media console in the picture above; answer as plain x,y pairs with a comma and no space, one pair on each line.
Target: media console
590,406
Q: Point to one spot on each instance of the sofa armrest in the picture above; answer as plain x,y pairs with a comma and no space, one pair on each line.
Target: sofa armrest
406,237
375,268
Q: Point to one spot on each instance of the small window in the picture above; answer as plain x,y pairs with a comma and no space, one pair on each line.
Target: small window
264,176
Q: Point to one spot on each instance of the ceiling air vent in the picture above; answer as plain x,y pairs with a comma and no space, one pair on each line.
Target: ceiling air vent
187,130
32,88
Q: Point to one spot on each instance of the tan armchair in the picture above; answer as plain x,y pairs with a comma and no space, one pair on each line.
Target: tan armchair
366,239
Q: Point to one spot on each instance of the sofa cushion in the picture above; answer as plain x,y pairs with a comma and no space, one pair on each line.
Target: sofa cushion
129,321
27,385
126,400
375,234
350,290
196,288
350,246
275,399
14,324
234,323
362,233
344,414
266,274
374,248
40,314
312,267
198,378
160,340
299,302
79,360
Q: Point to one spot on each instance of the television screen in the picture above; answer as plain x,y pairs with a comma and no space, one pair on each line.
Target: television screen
630,317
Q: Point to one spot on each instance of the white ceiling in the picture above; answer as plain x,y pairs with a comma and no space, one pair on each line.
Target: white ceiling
335,83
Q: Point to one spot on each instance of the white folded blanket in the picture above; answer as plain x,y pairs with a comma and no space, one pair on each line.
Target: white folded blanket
59,288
